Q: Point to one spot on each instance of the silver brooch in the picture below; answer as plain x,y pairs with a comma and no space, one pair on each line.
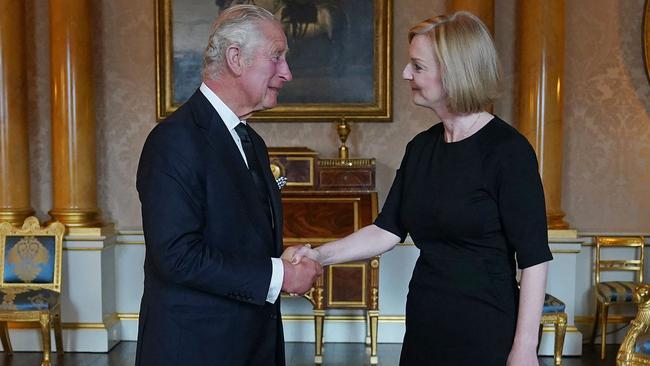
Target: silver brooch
281,181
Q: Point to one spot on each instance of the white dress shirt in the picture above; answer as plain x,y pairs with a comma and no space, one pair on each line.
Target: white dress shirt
231,121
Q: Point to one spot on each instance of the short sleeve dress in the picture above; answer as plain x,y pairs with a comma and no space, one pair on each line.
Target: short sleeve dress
475,209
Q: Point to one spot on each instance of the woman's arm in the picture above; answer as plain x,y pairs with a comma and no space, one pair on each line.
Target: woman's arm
364,243
531,301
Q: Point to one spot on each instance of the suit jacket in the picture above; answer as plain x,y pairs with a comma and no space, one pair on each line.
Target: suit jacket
208,247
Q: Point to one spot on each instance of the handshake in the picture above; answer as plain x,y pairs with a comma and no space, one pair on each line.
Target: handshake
301,269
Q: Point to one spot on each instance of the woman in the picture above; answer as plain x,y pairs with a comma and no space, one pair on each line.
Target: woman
469,194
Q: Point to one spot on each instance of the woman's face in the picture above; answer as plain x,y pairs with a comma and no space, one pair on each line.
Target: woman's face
423,74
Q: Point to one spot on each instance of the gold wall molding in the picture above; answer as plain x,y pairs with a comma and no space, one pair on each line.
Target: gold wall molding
611,319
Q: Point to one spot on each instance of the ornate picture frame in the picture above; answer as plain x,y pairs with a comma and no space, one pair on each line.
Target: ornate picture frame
646,37
340,57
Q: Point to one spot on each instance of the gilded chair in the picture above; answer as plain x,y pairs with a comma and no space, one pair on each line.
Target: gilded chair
553,313
30,281
608,293
635,348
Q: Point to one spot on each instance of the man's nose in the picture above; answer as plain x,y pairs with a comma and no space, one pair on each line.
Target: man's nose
285,73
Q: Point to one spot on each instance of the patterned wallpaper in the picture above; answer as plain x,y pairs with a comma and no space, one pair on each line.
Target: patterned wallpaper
607,99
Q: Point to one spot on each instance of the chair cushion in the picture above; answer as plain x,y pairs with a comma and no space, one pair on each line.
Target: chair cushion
29,259
643,344
552,305
15,298
615,291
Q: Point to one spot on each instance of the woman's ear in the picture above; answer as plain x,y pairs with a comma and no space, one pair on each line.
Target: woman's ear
235,59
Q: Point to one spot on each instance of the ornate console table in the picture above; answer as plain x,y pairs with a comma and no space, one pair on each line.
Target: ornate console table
324,200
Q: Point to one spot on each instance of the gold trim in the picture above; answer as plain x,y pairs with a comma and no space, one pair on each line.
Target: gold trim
565,251
128,316
84,249
346,163
330,281
646,37
140,242
311,172
611,319
380,110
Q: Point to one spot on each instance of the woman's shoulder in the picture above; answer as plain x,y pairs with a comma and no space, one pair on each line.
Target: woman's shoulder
427,136
505,138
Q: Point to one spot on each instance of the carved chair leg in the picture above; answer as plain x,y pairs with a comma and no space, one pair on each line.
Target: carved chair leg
603,329
45,334
58,333
594,329
560,332
6,341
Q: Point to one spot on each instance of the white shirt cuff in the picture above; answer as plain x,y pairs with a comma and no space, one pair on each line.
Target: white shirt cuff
277,275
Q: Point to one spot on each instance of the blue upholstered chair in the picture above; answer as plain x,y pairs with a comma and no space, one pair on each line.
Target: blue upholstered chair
610,293
635,348
553,313
30,281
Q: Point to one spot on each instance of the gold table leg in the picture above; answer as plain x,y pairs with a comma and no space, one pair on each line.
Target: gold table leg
374,323
319,322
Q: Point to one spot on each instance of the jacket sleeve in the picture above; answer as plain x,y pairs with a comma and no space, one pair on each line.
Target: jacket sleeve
171,193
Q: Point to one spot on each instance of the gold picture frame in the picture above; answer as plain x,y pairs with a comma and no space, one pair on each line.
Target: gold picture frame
646,37
374,106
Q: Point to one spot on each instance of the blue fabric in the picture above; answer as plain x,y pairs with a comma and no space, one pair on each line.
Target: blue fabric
26,299
29,259
615,291
552,305
643,345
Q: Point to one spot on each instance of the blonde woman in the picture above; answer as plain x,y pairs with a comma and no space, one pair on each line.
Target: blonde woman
469,194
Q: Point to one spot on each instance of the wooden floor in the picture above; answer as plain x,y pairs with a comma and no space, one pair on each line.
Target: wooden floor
298,354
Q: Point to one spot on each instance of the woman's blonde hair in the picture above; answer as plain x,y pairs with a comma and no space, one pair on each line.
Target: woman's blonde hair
469,64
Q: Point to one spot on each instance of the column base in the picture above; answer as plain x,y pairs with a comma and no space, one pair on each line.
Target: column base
16,216
555,221
77,217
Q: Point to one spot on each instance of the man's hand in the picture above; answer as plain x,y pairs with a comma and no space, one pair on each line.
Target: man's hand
299,278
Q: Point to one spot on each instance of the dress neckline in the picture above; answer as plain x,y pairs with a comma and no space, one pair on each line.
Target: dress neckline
468,138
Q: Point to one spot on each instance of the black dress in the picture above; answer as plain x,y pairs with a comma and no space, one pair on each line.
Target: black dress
471,207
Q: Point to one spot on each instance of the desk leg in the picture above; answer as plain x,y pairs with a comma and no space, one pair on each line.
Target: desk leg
368,328
374,323
319,322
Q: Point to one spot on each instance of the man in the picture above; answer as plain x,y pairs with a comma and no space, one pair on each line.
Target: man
212,214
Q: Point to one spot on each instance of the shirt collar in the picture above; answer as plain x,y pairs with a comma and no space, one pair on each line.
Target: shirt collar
227,115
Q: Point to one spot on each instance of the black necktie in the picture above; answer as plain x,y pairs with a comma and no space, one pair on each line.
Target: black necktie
254,167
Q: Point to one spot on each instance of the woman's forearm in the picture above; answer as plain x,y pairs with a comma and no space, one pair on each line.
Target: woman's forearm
364,243
531,302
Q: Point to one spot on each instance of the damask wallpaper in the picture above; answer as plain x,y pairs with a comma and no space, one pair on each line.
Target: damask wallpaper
606,108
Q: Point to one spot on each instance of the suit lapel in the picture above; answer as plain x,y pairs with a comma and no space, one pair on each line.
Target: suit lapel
272,187
221,142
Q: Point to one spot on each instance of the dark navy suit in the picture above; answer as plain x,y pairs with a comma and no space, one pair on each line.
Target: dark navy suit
208,247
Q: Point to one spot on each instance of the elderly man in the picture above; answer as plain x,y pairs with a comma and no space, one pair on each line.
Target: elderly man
212,214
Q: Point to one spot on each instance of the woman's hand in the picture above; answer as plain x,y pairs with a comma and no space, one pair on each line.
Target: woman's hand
523,356
305,251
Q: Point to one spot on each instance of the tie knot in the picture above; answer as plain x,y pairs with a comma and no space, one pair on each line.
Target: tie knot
242,132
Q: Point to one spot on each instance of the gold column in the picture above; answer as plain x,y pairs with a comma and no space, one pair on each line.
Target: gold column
484,9
74,176
14,148
541,58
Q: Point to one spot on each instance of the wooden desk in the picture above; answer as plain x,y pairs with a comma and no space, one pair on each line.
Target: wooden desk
320,216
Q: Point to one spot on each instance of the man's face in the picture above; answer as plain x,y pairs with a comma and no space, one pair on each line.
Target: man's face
268,71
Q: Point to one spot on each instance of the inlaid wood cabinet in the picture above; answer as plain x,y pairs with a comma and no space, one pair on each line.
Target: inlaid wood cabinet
319,216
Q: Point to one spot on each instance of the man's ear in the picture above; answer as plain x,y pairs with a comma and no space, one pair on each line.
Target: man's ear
235,59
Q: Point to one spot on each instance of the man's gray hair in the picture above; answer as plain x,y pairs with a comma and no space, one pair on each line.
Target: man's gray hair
237,25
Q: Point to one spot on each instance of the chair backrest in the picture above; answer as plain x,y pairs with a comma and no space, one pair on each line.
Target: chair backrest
31,256
632,263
